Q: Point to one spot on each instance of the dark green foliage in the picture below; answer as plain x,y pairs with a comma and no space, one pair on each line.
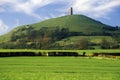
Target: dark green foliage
116,35
109,28
106,44
37,39
83,43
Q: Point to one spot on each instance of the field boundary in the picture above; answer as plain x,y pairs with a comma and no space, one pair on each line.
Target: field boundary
82,53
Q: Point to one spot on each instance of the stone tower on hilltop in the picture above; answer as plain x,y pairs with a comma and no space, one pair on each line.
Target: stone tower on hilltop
70,11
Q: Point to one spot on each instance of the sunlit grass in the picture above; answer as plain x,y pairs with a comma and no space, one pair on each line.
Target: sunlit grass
58,68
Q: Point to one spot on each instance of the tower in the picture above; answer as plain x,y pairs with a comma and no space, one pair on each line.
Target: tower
70,11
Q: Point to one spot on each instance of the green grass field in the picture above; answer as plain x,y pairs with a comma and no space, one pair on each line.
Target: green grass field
58,68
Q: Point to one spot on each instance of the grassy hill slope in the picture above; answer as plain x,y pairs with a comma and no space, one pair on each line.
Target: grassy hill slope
77,23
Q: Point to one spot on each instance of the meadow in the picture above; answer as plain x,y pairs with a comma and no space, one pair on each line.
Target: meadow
58,68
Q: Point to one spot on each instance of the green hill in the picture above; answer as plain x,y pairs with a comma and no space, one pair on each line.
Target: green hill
77,23
55,30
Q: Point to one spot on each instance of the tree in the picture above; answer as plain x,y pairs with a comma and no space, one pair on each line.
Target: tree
116,35
46,41
21,43
38,42
14,37
105,44
114,44
83,43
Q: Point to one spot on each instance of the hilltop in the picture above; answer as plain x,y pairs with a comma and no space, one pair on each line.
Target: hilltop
75,23
54,30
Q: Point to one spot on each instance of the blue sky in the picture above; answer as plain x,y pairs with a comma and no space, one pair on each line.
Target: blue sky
14,13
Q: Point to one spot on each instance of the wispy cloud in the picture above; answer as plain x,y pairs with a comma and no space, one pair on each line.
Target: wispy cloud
3,27
95,8
24,6
28,7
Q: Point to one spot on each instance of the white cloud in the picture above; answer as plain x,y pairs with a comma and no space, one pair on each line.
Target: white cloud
3,27
27,6
95,8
